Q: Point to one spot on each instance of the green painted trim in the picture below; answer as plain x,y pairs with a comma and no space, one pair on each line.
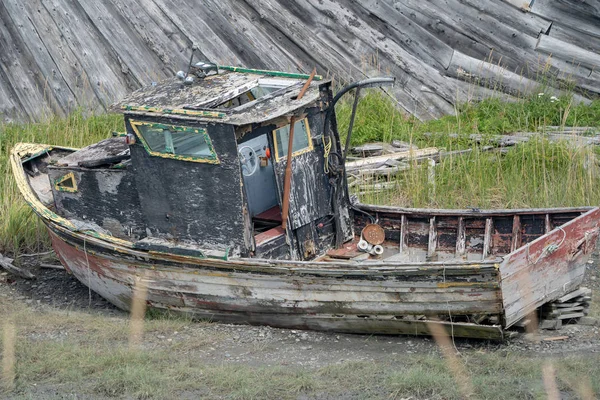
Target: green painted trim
212,159
270,73
205,114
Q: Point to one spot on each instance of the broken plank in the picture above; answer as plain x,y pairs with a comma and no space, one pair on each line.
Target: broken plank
571,316
52,266
487,237
516,234
555,338
433,238
461,238
403,228
7,264
552,324
410,154
578,292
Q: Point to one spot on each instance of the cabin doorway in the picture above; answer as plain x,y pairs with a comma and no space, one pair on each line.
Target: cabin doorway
259,181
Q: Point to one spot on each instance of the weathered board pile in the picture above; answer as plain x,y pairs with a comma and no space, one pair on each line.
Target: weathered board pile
571,306
56,55
374,167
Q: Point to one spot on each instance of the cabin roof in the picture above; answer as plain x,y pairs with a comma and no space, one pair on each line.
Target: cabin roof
201,100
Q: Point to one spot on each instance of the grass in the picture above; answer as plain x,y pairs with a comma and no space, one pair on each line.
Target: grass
538,173
19,229
87,354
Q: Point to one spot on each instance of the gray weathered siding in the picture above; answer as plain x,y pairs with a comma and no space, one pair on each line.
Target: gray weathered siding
56,55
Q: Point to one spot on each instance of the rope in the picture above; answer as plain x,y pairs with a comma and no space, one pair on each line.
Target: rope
87,261
327,149
551,248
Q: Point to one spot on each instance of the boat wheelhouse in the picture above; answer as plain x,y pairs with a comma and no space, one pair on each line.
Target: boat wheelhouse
226,198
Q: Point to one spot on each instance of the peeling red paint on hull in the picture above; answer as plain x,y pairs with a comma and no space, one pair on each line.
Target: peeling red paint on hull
345,297
344,304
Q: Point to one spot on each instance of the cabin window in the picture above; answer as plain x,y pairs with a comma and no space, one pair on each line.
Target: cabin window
66,183
302,142
177,142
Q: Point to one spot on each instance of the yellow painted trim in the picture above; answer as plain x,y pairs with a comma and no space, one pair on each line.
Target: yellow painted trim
296,153
199,131
63,178
206,114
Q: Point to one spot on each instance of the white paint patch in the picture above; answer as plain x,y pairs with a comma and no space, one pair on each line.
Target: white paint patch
108,182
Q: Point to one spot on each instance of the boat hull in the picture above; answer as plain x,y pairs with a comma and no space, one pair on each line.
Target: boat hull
374,300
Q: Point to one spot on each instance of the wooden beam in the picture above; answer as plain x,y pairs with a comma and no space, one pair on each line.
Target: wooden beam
516,233
403,228
409,154
548,224
7,264
461,238
487,237
433,239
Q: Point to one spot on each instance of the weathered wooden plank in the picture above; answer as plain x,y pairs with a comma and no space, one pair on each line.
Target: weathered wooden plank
104,49
581,16
516,234
573,294
403,232
13,64
41,64
461,237
433,238
401,155
96,60
54,40
7,264
136,61
421,43
159,33
533,276
547,223
576,56
10,108
487,238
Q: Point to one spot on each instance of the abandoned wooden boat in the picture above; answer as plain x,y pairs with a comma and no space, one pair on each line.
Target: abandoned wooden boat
198,204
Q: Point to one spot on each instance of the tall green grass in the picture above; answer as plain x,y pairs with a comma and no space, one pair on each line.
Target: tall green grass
20,230
539,173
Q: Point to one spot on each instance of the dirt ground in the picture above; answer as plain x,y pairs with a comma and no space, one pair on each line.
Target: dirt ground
55,290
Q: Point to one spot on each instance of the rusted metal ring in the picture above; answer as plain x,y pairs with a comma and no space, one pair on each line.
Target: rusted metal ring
374,234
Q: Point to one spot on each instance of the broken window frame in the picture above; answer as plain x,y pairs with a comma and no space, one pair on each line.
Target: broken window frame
64,178
209,159
303,150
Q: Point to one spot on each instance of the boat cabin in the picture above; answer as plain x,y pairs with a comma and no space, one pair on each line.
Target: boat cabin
201,169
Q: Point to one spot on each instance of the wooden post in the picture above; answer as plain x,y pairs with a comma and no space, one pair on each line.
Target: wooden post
403,228
547,224
461,238
487,237
516,233
288,166
433,239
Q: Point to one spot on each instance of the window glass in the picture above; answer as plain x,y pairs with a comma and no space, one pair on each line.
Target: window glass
301,142
176,140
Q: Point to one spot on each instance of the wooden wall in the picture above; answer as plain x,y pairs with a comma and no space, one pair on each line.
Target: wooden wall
57,55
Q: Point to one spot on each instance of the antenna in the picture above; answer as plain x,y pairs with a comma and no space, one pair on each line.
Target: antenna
201,69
